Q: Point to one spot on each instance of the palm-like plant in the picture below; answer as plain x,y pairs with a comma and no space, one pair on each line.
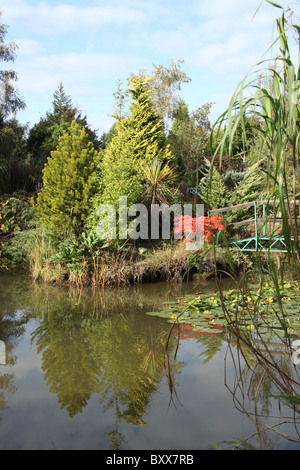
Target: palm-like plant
158,178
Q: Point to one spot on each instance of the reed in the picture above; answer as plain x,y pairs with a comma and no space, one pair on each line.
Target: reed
273,101
42,247
276,107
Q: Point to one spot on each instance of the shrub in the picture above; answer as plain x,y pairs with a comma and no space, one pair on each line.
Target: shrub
69,179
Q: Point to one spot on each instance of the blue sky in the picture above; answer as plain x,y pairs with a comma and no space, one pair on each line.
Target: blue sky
89,45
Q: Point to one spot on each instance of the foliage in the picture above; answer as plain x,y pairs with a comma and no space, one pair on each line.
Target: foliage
276,106
13,139
16,214
189,138
158,181
10,101
68,182
17,175
205,226
139,139
17,219
44,136
213,190
15,252
163,84
71,250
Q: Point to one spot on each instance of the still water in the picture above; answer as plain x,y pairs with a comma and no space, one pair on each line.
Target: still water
84,369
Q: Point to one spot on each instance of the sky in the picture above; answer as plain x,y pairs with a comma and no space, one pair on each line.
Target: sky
91,45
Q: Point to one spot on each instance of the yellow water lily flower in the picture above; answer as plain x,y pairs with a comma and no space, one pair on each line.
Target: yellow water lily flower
207,312
250,327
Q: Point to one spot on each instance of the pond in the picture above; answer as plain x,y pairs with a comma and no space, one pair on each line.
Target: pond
85,369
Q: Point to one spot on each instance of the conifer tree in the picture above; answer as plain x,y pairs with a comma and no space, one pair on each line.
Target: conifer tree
68,182
44,136
250,189
137,140
144,128
61,102
213,190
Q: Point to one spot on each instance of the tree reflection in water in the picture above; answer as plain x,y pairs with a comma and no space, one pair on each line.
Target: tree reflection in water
11,330
94,344
88,351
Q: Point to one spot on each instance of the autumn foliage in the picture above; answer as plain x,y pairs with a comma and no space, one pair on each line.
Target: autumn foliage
186,224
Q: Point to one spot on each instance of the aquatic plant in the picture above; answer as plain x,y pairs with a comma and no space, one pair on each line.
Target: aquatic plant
249,309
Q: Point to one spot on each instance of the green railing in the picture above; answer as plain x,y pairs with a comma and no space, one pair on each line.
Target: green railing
260,241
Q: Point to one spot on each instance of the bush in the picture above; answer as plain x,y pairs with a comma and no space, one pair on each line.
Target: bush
17,221
69,179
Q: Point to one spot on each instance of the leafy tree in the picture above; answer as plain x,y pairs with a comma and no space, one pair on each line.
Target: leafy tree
189,137
163,84
13,140
68,182
10,101
17,172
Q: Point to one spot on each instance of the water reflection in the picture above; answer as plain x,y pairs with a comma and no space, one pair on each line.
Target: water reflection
94,342
265,387
11,330
99,345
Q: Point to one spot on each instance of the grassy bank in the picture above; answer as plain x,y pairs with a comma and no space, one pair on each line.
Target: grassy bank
86,261
167,262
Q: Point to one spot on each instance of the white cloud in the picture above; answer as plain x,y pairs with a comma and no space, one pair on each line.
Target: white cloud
29,47
39,71
47,19
89,47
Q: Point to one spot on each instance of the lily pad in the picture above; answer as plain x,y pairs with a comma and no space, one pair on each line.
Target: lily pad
261,308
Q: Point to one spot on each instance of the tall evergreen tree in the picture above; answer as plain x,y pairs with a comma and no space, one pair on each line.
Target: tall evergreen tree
213,190
68,182
44,136
61,102
137,140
